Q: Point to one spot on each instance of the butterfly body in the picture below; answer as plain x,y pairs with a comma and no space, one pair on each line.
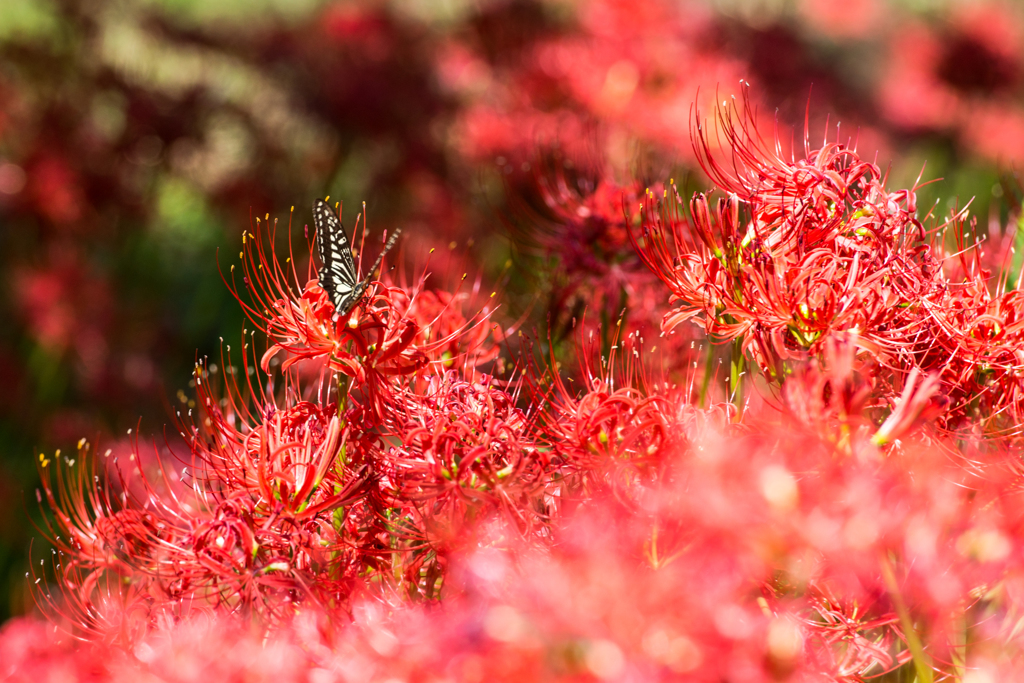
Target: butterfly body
338,275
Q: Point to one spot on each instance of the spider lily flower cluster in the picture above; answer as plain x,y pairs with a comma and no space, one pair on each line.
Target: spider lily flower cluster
356,472
795,252
374,498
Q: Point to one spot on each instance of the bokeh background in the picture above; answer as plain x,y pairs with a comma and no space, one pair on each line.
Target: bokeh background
139,138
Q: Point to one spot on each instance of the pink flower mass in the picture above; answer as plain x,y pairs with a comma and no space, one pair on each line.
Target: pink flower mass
770,432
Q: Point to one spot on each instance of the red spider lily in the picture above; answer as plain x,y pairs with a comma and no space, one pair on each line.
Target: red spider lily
287,465
290,497
101,534
307,475
852,644
260,529
284,457
820,246
445,333
460,453
613,426
467,452
394,331
915,406
625,435
802,251
973,339
838,389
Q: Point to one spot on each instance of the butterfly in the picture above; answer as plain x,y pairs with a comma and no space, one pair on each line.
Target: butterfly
338,275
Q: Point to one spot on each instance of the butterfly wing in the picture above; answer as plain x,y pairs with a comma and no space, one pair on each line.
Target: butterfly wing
337,275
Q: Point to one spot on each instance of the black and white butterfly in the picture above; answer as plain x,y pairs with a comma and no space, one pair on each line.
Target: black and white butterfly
337,274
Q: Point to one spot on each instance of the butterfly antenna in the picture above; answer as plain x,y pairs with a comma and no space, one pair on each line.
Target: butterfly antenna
387,248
